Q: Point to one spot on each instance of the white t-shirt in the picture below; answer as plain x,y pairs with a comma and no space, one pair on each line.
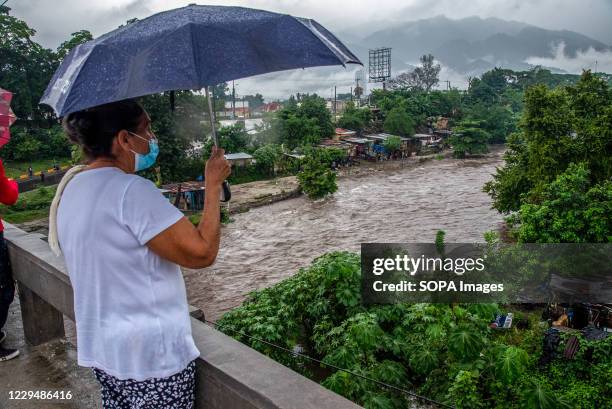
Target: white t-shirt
130,305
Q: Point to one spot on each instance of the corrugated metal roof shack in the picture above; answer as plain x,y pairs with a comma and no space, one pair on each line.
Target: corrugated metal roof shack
239,159
406,144
186,196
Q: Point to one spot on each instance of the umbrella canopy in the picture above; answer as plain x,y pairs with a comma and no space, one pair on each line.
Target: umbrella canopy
7,117
189,48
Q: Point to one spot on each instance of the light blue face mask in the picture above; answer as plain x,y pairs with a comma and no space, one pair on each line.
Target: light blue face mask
141,161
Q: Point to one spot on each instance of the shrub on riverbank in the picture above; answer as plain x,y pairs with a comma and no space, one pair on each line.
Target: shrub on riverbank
469,139
316,179
444,352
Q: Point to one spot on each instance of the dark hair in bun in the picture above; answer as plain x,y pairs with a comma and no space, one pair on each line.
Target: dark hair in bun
95,128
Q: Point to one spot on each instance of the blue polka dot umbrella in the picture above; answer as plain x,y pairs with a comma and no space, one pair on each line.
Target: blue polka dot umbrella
191,47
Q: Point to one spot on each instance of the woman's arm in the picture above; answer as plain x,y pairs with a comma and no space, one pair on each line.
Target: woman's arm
192,247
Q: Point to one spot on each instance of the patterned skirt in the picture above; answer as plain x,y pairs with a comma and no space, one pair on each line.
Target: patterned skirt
174,392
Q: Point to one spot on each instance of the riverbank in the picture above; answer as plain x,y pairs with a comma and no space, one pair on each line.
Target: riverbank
260,193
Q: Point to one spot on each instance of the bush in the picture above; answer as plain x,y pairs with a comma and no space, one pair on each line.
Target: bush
445,352
469,139
266,158
571,211
316,179
398,122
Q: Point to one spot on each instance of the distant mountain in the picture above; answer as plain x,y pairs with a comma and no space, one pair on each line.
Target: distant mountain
471,45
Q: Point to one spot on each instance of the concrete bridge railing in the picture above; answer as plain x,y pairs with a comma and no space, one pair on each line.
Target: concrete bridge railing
229,374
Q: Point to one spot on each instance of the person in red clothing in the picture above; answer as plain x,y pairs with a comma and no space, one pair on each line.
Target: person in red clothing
8,196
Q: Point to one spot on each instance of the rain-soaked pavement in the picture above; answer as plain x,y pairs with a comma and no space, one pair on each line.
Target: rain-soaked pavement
49,367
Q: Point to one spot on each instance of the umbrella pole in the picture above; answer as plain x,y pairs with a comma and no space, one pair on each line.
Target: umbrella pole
212,117
226,191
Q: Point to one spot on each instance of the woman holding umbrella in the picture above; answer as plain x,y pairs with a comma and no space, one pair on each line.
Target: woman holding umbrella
122,240
123,243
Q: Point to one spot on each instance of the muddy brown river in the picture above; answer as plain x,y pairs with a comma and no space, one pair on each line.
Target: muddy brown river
270,243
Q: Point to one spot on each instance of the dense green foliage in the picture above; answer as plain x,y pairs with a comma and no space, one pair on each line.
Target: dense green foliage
354,118
498,121
444,352
266,157
556,199
469,139
398,122
316,179
301,123
25,68
571,211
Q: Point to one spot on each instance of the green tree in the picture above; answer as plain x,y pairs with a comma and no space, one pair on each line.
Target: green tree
398,122
354,118
25,69
469,139
481,92
299,130
497,120
558,126
266,157
316,178
172,148
76,38
314,107
510,182
571,211
233,138
427,73
423,77
26,147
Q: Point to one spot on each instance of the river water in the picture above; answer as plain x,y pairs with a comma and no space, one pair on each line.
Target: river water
270,243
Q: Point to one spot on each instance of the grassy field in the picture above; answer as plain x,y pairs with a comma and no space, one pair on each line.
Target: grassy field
30,206
14,169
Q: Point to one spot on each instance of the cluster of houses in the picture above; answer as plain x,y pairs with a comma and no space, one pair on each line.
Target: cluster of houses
372,146
241,109
189,196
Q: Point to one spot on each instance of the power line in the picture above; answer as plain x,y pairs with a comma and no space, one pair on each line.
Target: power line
294,353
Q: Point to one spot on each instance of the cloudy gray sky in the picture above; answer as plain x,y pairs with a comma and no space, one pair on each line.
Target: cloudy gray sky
55,20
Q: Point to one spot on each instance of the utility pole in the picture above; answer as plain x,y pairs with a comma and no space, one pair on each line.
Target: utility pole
334,102
351,94
233,101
